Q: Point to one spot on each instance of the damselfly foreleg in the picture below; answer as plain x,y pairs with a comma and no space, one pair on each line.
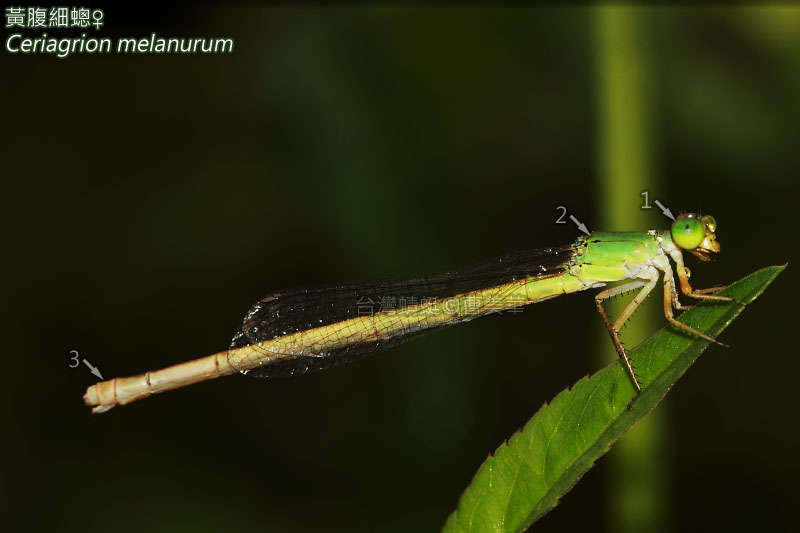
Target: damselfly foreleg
669,297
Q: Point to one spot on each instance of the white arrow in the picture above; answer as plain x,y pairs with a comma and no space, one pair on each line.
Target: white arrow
581,225
665,210
93,369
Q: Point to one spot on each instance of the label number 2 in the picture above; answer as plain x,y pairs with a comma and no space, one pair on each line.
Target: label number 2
73,359
560,220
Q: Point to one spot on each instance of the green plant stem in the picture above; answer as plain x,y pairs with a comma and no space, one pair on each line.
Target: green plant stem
625,169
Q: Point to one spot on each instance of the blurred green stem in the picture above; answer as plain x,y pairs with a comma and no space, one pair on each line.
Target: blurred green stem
624,145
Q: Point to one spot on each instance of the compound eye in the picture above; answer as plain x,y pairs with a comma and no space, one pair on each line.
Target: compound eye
688,233
710,223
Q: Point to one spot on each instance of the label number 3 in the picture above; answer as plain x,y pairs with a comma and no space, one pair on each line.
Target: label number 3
73,359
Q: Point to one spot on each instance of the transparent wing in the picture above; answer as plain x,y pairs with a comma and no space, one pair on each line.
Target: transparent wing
293,311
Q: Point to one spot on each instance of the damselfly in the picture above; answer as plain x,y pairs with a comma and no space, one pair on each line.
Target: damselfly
310,330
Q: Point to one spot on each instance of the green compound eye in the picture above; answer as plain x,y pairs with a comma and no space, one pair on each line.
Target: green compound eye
688,233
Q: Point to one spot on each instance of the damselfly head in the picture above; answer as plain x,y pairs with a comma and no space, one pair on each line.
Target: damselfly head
696,233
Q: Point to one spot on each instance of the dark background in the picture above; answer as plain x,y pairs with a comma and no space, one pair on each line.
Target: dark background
149,200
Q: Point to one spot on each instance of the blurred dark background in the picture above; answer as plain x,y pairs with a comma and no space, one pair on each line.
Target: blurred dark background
149,200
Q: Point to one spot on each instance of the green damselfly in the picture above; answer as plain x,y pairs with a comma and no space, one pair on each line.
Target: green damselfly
309,330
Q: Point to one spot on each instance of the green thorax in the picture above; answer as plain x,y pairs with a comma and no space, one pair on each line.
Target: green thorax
614,256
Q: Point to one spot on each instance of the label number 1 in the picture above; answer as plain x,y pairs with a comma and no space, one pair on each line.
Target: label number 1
646,200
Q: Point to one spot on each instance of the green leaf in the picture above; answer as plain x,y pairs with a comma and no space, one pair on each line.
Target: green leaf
527,475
